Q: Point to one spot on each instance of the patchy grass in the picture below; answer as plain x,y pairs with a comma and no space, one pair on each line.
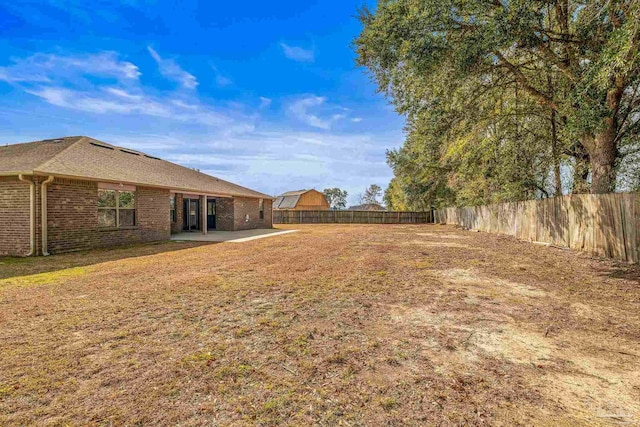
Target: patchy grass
334,325
48,278
13,267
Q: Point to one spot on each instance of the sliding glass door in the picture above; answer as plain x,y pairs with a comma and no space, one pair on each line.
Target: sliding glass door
191,215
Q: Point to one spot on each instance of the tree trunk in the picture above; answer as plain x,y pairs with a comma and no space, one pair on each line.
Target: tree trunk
556,155
603,150
580,170
603,155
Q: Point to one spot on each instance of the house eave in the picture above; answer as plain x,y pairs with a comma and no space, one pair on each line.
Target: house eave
142,184
17,173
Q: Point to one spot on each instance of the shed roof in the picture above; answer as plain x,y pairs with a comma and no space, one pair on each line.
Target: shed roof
295,193
286,202
84,157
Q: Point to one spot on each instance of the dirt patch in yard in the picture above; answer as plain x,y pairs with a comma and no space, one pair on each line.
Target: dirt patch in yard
333,325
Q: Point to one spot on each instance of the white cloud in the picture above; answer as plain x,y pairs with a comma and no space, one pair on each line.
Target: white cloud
40,68
265,102
223,81
301,109
172,71
63,81
297,53
281,159
123,93
118,101
85,101
183,104
356,119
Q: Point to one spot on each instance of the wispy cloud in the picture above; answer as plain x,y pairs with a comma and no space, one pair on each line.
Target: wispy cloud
172,71
40,67
117,101
356,119
309,159
221,79
265,102
77,82
297,53
123,93
301,109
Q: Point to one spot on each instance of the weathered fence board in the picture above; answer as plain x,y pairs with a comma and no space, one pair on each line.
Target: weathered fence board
350,217
606,225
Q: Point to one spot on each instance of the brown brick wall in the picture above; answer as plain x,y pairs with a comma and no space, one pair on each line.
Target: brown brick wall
268,213
224,214
152,212
14,217
231,214
248,206
73,217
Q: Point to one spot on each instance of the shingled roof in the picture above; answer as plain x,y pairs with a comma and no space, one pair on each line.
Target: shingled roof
84,157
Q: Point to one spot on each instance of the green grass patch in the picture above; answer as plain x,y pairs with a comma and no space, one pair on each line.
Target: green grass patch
388,403
48,278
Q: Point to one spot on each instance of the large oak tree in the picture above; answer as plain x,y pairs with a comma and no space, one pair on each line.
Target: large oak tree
578,61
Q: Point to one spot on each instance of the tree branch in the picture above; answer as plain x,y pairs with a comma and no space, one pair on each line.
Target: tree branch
524,82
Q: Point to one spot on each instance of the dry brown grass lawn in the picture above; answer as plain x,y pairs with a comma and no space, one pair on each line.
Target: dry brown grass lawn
333,325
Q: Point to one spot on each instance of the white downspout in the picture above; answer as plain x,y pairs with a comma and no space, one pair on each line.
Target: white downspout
32,214
43,199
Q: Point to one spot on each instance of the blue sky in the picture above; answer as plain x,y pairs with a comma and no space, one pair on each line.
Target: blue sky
265,94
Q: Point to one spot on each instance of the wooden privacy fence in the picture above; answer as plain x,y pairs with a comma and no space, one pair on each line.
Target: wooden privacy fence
606,225
350,217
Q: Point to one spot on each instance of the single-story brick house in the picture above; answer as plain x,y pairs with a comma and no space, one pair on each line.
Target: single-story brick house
77,193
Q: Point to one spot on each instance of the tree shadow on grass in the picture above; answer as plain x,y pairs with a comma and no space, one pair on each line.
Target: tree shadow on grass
15,267
620,270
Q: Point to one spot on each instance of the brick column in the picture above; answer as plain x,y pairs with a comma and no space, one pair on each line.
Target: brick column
203,208
176,227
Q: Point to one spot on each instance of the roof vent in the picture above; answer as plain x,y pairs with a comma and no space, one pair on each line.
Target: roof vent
101,146
130,152
53,140
151,157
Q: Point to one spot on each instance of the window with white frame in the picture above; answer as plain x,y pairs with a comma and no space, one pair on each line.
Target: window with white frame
116,208
261,208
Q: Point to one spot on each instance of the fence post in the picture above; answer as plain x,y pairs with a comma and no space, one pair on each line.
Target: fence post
636,199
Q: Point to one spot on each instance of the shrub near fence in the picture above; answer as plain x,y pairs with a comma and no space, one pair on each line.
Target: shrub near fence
350,217
606,225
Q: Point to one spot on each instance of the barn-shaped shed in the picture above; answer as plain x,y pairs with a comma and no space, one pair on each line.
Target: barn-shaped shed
301,200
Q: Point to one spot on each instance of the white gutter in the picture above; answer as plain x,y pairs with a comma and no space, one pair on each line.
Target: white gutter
44,225
32,214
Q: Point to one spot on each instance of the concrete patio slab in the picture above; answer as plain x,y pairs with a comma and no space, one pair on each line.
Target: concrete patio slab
229,236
